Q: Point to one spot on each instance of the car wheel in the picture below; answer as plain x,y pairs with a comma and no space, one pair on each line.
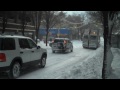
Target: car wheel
15,70
53,51
72,49
43,62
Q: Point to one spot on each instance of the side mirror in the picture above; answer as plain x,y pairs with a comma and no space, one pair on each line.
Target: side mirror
38,47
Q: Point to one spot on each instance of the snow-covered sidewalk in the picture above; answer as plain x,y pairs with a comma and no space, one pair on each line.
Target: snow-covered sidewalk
90,68
115,64
43,45
81,64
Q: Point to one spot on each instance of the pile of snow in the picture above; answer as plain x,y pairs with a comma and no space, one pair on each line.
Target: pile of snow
115,64
76,43
43,45
116,60
91,68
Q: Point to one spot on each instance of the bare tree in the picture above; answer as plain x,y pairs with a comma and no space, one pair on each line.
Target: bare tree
76,21
4,15
22,16
51,19
109,18
36,18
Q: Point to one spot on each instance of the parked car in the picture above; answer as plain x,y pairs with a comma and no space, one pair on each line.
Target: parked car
62,44
18,52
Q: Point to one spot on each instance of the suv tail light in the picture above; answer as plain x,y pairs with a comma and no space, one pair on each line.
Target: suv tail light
2,57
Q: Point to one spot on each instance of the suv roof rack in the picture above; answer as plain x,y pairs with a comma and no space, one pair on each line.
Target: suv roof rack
11,34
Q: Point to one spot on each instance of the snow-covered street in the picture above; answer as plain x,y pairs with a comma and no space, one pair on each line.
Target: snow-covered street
80,64
67,65
59,45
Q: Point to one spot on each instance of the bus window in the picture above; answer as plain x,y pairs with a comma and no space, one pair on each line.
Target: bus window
85,37
93,37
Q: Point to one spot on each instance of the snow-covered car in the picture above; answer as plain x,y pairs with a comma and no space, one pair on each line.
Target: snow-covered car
62,44
18,52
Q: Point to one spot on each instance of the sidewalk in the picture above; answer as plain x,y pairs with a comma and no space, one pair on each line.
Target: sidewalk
43,45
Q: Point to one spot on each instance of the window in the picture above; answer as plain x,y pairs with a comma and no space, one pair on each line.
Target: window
24,43
7,44
93,37
86,37
32,44
58,40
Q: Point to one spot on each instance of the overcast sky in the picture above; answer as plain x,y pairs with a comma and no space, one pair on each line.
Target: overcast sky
77,12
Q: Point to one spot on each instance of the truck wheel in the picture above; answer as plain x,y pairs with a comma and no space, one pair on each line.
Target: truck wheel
15,70
83,47
63,51
72,49
53,51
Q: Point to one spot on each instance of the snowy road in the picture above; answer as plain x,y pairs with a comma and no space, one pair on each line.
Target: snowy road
58,63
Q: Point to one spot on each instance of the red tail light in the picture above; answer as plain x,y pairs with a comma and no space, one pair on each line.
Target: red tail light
2,57
53,41
65,41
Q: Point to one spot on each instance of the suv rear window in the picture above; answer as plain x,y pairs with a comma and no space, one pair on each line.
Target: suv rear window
58,40
7,44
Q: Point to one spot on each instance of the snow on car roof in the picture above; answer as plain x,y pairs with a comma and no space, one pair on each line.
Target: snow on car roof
62,38
13,36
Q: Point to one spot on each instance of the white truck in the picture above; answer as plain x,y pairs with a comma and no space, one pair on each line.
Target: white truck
91,39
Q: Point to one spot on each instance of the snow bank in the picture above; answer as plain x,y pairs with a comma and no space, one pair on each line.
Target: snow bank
115,64
77,43
116,59
43,45
91,68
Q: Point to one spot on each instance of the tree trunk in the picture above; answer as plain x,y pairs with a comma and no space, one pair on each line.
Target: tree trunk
3,25
36,35
23,22
23,27
4,22
46,37
108,57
